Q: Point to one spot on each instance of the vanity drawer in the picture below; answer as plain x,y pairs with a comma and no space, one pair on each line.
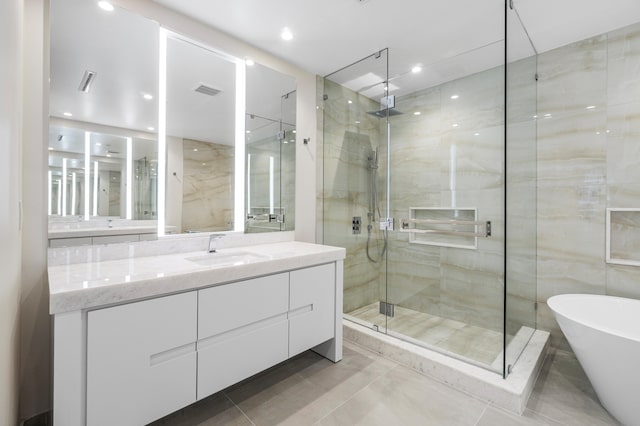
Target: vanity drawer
312,307
231,357
232,306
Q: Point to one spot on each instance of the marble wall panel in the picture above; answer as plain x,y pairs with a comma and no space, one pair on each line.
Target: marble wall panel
572,78
207,203
623,55
623,149
588,160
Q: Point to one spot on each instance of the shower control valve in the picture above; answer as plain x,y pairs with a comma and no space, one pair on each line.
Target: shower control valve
386,224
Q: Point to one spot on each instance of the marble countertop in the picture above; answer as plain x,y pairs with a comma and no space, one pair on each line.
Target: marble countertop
77,286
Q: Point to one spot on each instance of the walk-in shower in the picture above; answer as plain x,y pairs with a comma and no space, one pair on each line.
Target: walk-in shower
442,164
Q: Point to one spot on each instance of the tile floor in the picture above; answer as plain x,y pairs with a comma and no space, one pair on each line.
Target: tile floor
468,341
366,389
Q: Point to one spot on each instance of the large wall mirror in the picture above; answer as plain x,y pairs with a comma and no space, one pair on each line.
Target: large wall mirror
219,157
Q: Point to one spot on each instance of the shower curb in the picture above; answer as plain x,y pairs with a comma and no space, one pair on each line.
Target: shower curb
510,394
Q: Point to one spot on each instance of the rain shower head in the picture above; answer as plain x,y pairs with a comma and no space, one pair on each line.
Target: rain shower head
387,107
384,112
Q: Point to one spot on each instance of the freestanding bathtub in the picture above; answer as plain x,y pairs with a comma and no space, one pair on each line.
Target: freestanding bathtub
604,333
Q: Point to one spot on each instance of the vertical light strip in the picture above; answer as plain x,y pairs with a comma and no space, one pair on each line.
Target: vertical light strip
248,183
64,187
162,130
73,194
129,206
95,188
271,194
452,176
239,213
50,190
87,173
59,196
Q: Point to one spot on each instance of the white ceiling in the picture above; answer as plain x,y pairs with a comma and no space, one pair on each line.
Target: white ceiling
450,39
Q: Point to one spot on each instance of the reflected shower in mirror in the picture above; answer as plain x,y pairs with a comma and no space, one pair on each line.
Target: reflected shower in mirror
270,150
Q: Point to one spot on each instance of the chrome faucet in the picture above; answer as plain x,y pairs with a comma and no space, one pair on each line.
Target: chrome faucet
212,241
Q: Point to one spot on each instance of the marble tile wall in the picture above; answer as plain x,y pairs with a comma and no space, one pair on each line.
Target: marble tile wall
588,160
207,198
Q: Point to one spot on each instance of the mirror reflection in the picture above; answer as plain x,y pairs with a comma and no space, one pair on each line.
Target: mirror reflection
270,150
103,116
201,105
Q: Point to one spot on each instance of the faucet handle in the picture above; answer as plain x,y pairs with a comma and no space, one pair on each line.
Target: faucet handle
212,241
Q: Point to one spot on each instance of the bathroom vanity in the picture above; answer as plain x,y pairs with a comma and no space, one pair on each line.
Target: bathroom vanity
141,336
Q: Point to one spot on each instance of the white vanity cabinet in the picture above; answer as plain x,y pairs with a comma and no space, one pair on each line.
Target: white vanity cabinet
141,362
135,362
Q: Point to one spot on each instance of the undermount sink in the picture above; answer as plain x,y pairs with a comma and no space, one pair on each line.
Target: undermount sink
226,259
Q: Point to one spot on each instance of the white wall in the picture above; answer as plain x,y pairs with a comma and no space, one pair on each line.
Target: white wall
10,146
34,312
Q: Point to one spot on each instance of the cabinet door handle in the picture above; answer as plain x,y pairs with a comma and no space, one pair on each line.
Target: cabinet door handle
172,353
301,310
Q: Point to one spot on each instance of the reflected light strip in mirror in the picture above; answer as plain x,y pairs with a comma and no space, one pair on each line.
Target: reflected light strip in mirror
248,184
238,208
49,198
271,185
87,172
73,194
162,129
59,195
95,188
64,187
129,178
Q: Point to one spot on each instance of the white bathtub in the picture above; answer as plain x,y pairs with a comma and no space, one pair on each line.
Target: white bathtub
604,333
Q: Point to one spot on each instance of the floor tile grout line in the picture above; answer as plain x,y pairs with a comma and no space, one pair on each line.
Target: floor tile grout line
358,392
484,410
240,409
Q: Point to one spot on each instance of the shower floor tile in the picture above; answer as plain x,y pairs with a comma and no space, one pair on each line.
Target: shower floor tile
474,343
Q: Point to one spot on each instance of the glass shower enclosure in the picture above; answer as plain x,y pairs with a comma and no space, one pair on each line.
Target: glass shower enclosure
429,182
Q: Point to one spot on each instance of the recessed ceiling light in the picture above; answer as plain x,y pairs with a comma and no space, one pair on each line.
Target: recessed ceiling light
455,96
591,107
454,125
249,62
417,113
108,155
349,101
147,96
248,131
286,34
285,141
50,148
293,131
416,69
195,149
357,122
476,134
105,5
67,114
151,129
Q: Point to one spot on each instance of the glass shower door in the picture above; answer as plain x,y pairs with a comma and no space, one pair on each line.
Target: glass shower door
355,183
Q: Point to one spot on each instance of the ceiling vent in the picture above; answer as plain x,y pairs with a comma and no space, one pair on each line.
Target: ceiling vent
207,90
87,80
